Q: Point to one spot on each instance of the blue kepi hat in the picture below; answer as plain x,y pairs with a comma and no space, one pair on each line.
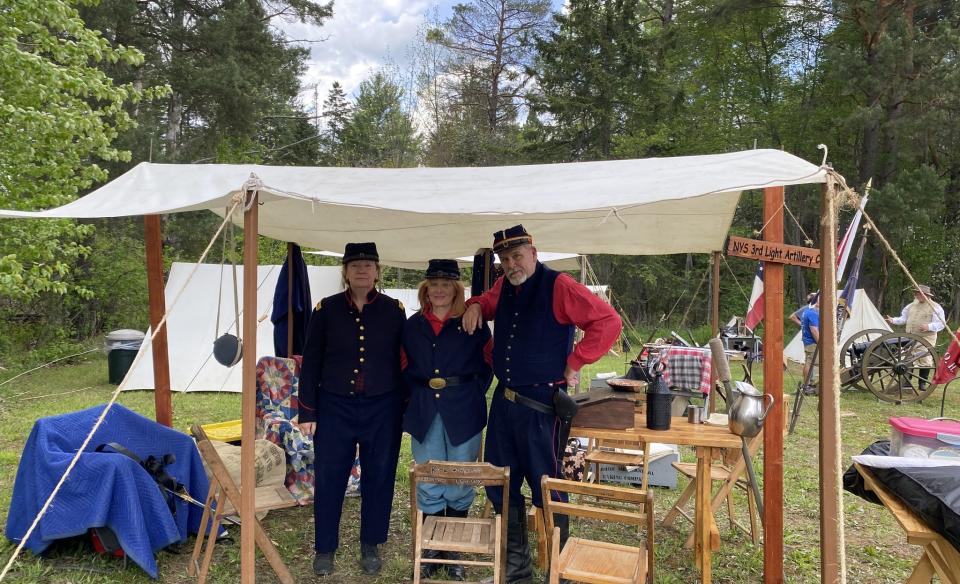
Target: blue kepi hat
509,238
447,269
360,251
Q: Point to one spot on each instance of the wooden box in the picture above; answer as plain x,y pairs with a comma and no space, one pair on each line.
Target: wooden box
605,409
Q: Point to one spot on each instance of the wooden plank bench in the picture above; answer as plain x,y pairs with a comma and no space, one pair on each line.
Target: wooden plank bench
939,557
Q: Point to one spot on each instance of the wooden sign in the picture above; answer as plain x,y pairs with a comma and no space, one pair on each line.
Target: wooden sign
781,253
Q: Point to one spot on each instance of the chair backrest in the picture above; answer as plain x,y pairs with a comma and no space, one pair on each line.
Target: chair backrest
607,503
477,474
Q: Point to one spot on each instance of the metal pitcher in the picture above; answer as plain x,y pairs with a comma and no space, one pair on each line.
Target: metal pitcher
747,412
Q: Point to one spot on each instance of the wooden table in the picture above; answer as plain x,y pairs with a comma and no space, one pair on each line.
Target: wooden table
939,557
708,441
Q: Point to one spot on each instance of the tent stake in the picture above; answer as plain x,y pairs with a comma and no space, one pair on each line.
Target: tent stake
158,306
773,384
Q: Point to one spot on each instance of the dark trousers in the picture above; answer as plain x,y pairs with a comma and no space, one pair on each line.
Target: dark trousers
526,441
342,423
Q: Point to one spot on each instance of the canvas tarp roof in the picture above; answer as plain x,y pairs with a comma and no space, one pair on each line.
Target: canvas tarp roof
192,324
564,262
632,207
863,316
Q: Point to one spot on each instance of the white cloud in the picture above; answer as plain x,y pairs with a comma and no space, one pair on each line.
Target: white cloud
361,37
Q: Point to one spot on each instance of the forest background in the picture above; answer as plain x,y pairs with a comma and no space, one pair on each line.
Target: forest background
88,89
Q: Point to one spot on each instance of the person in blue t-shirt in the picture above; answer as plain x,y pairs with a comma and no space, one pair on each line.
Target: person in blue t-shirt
798,313
810,333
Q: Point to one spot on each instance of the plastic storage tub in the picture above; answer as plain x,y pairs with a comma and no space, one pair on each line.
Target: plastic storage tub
920,438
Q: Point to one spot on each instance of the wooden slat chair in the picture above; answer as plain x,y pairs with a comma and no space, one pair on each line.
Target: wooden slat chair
732,475
223,500
599,562
485,536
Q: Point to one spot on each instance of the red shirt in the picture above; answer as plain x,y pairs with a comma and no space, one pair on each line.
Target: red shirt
573,303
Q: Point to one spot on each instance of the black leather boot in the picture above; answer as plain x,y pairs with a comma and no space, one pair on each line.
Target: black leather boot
455,571
519,566
370,559
323,564
428,570
924,376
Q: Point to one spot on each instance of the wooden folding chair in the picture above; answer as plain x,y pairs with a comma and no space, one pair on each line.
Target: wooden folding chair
599,562
470,535
223,500
732,475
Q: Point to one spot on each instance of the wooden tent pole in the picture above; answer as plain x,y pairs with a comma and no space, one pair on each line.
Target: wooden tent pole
831,509
163,405
773,384
714,320
289,299
247,409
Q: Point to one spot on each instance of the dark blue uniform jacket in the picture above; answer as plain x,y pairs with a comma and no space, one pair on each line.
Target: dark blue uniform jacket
351,352
452,353
530,346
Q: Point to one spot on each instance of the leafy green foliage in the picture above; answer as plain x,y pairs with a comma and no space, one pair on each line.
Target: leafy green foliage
59,115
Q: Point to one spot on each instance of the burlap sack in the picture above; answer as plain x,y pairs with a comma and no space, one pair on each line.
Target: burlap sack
270,463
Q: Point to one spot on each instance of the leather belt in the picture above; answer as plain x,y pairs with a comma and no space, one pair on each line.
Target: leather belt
533,404
443,382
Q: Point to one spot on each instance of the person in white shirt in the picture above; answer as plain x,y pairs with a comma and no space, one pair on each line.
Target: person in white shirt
925,318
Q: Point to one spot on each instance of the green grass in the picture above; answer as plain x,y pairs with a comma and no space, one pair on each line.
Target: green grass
876,548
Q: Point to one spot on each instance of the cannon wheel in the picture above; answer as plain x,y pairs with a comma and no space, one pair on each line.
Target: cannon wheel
850,368
890,370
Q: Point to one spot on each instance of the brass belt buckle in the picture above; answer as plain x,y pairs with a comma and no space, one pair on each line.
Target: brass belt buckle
510,394
437,383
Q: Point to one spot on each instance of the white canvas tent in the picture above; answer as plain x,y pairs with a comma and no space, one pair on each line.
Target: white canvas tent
863,316
634,207
192,324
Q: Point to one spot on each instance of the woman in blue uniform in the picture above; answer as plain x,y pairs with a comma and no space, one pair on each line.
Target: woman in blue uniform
448,376
352,394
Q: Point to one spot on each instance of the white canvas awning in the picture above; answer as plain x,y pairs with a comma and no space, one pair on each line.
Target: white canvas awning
632,207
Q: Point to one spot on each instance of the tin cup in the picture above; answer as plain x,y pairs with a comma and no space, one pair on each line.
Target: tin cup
694,414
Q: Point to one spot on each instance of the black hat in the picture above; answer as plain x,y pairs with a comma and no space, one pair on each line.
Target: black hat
360,251
448,269
510,238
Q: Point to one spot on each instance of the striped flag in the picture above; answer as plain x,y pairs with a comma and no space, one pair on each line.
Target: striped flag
843,250
755,306
845,303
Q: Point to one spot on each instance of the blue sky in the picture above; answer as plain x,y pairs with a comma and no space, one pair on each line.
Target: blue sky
362,36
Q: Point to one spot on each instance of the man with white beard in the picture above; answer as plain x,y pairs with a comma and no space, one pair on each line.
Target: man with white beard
535,311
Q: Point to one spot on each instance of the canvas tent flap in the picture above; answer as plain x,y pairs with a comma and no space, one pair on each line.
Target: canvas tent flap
634,207
192,324
864,316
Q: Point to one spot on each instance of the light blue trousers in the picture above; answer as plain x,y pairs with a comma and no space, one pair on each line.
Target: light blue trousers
436,446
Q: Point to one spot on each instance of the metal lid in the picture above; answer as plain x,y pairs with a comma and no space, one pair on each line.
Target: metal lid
125,335
747,389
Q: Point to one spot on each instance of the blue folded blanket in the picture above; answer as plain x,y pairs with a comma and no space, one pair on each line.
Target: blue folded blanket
105,489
